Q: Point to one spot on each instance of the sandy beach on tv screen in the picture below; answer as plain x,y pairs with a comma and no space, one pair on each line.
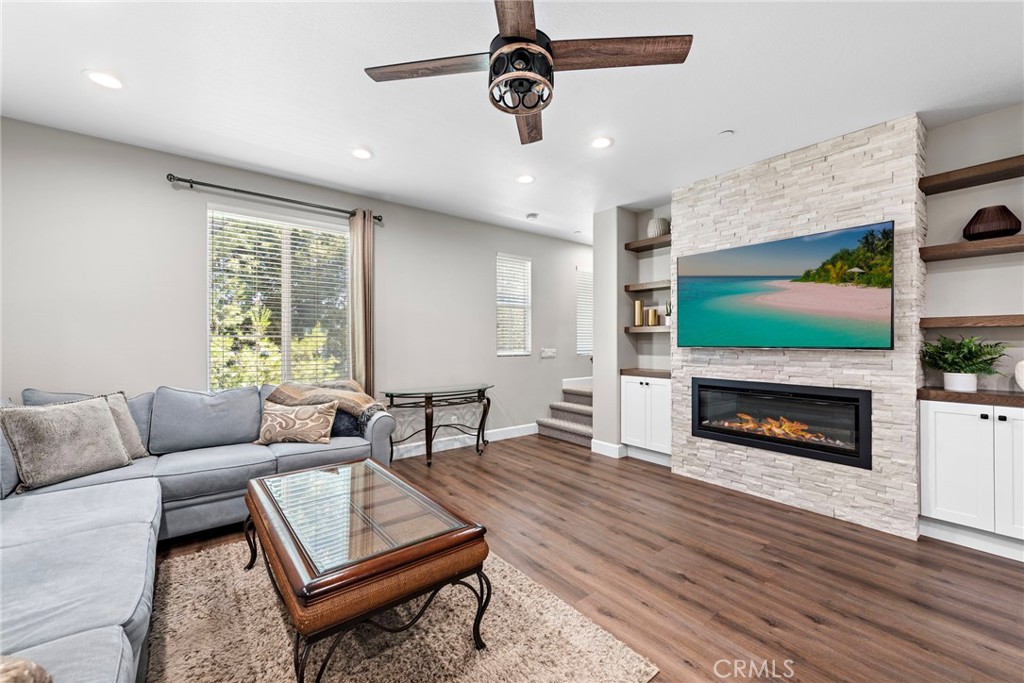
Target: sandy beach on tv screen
840,301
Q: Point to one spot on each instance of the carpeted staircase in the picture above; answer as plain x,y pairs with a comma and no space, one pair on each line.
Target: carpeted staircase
572,418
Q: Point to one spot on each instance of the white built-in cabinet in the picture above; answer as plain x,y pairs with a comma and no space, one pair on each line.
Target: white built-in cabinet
972,466
647,413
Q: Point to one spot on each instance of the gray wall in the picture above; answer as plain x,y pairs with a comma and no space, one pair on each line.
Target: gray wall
104,279
978,286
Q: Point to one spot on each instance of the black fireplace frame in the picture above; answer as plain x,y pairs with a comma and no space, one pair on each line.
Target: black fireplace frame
859,397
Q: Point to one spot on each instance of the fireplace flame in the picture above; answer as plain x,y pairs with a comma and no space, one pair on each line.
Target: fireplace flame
782,428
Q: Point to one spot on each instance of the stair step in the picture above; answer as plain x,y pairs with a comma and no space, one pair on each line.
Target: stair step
573,412
566,426
578,395
562,430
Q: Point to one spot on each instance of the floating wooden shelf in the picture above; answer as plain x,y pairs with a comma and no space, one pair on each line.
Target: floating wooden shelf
646,372
1006,399
972,176
648,286
999,245
647,329
974,321
650,243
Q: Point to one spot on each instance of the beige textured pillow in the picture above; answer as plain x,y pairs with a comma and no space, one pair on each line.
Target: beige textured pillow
17,670
130,436
58,442
296,424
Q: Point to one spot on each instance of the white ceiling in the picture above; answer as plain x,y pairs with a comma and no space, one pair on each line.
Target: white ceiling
280,88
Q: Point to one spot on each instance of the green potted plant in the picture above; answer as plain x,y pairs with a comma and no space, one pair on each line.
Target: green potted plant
961,361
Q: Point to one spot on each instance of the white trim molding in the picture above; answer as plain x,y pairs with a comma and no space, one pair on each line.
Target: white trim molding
1003,546
663,459
612,450
414,448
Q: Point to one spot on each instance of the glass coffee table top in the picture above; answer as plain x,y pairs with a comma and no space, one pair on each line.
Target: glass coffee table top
346,514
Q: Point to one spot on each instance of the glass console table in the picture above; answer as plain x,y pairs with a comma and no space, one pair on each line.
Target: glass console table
441,397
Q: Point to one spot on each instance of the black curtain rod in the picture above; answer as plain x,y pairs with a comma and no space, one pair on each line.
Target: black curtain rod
171,178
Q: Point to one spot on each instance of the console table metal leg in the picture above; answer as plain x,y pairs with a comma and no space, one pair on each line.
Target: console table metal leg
249,529
428,412
481,432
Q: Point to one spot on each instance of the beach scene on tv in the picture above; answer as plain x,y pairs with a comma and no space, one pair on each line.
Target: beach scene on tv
827,290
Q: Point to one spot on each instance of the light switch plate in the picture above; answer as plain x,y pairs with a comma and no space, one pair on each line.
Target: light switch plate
547,353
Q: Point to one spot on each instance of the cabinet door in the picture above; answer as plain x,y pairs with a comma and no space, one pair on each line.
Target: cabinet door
659,436
957,483
1009,471
634,411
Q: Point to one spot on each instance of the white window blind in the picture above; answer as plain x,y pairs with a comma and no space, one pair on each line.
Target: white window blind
279,301
584,312
514,305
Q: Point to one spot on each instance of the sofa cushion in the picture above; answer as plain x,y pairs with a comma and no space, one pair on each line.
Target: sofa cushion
126,427
141,406
27,519
101,655
203,471
140,468
185,420
299,456
60,442
296,424
8,468
68,584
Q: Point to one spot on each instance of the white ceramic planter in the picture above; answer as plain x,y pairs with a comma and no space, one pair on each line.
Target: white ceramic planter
959,381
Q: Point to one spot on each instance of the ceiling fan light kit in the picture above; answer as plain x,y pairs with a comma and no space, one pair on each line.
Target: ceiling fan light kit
522,74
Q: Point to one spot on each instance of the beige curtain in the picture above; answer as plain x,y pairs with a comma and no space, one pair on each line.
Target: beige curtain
361,230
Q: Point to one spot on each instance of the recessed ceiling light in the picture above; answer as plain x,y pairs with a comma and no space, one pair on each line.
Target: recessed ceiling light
104,79
727,133
577,232
524,179
532,216
601,143
362,153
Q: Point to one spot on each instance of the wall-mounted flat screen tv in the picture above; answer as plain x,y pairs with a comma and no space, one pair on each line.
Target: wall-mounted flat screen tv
830,290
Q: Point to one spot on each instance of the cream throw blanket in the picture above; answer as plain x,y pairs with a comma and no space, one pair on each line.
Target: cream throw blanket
347,394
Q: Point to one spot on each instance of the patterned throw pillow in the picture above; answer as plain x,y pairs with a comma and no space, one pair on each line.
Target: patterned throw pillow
17,670
296,424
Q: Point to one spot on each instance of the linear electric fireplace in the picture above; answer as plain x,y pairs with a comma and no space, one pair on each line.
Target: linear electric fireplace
822,423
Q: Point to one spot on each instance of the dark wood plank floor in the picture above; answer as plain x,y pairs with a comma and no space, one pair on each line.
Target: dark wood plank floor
689,574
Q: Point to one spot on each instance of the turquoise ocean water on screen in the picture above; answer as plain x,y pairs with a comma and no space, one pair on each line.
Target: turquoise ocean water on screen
719,311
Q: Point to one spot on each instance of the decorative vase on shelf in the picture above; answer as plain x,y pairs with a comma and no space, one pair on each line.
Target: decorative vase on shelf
656,227
1018,374
960,381
992,221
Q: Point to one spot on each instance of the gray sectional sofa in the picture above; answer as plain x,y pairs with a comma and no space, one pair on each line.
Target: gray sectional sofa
77,559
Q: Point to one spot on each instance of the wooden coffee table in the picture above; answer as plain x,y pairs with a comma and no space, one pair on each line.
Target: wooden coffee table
343,544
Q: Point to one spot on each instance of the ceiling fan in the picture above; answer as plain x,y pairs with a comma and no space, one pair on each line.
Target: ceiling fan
522,63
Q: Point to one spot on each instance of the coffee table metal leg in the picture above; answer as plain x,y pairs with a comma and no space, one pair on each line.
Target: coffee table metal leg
250,532
483,599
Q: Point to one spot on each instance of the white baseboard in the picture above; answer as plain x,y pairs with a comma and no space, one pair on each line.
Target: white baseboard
663,459
577,382
412,449
986,542
612,450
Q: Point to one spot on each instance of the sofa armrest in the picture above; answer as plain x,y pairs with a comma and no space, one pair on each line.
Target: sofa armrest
378,433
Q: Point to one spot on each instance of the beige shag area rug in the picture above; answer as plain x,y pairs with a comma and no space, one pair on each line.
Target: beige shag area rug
214,622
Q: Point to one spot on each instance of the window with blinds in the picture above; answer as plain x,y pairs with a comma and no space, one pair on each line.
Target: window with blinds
584,313
514,305
278,301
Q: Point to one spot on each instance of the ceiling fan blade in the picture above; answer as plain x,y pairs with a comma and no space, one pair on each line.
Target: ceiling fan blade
604,53
530,128
430,67
515,19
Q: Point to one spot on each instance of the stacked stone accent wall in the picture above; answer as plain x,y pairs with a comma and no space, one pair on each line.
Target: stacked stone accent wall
869,176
